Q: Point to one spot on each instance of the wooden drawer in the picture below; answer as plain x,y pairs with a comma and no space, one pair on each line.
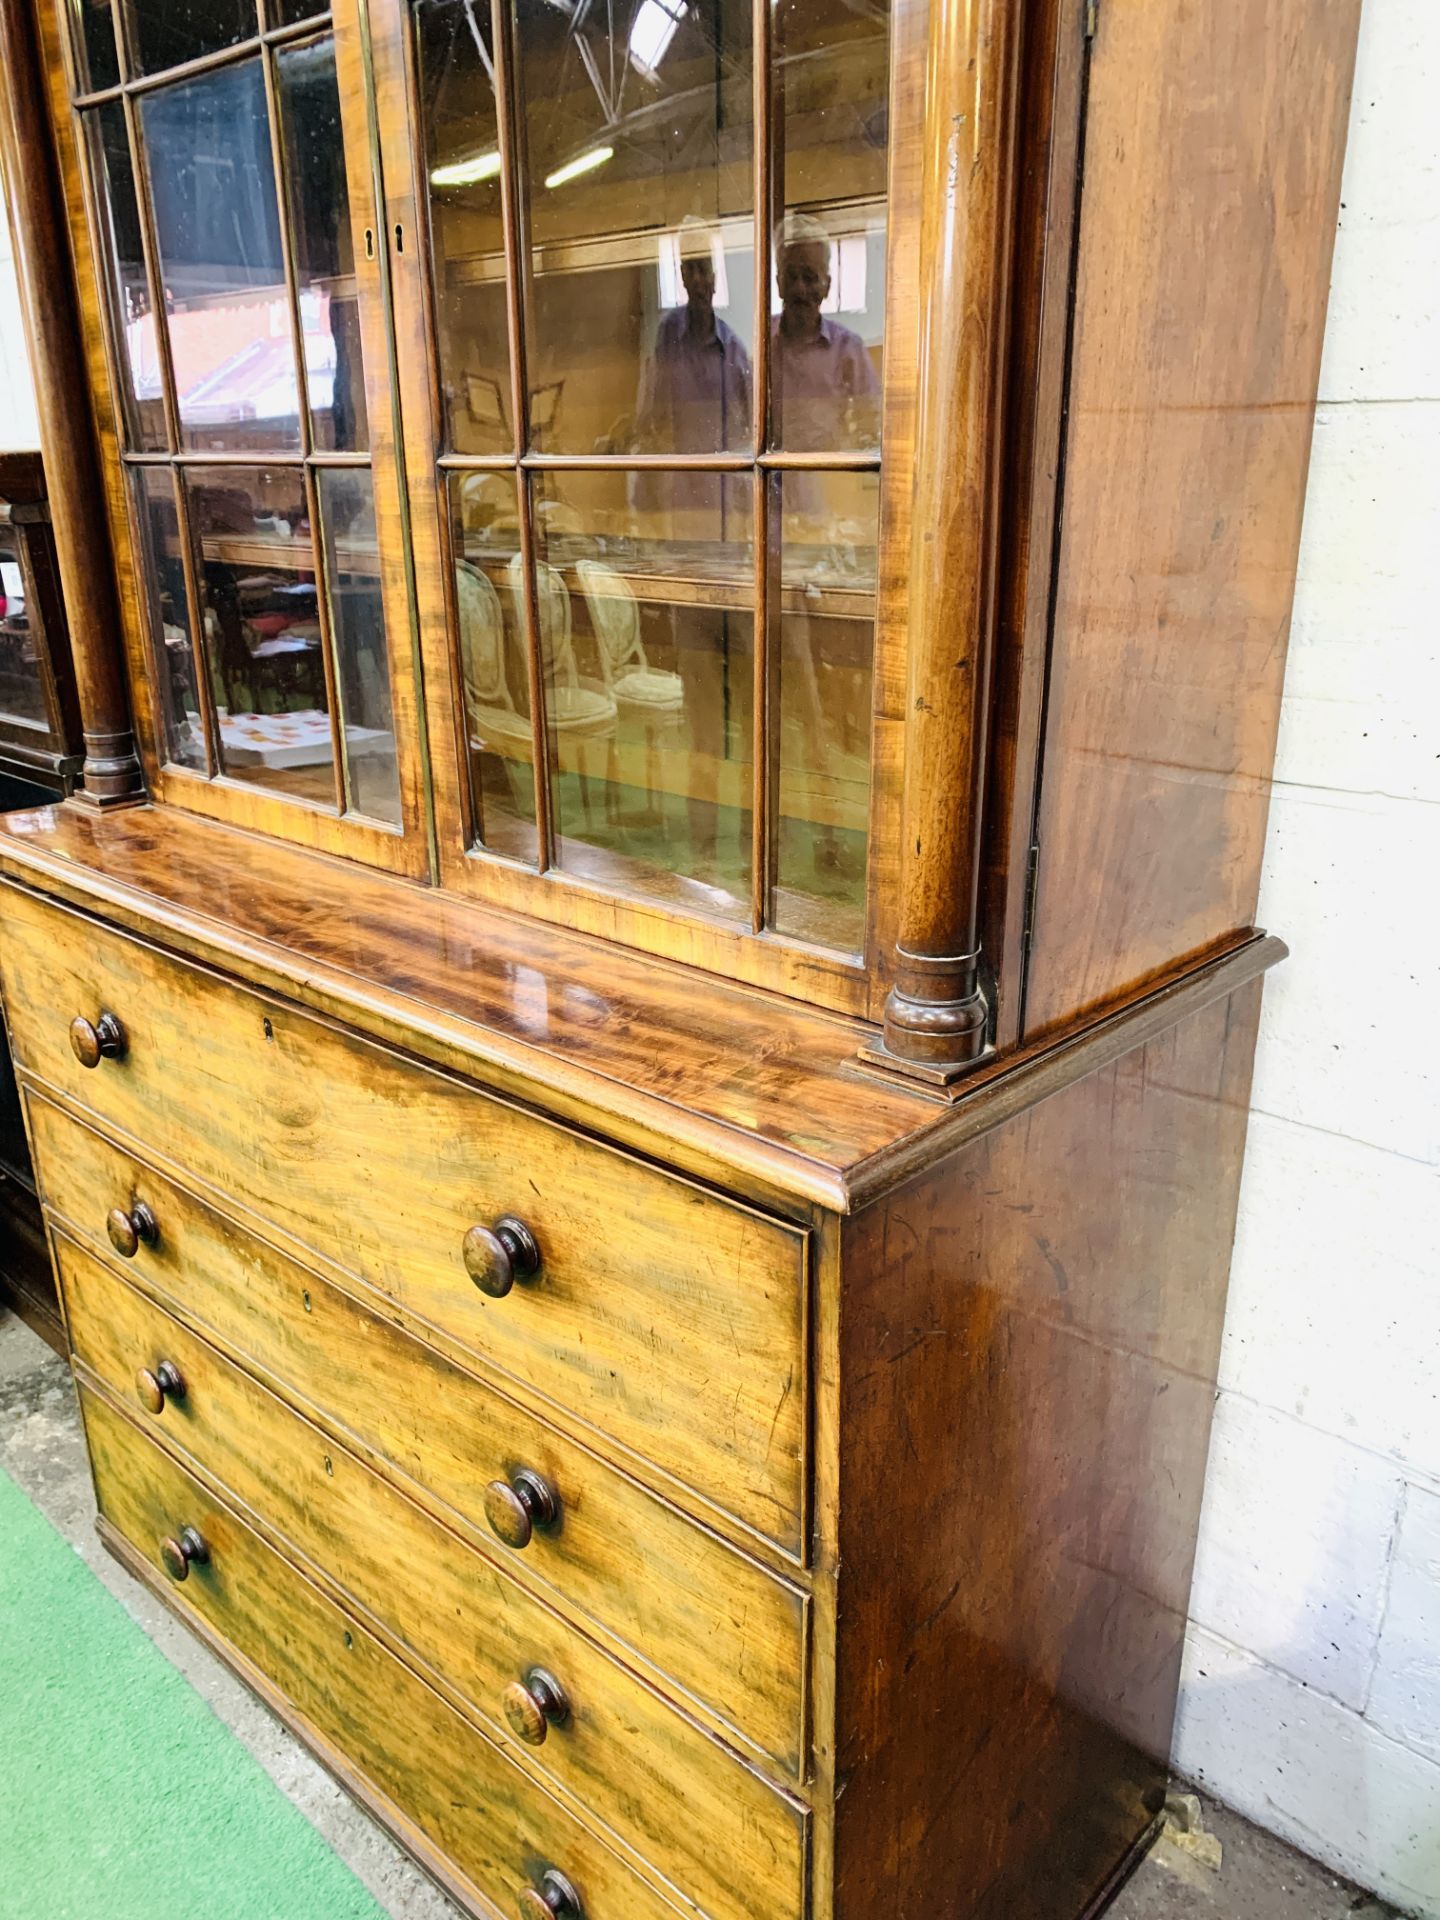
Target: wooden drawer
498,1827
727,1631
663,1315
729,1841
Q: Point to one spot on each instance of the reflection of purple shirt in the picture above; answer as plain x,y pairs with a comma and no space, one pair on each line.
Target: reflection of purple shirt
695,397
826,390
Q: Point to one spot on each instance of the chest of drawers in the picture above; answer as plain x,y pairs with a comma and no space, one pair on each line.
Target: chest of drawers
758,1531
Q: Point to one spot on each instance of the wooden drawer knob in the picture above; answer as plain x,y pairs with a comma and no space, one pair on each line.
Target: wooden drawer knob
104,1041
515,1507
178,1556
496,1257
553,1899
534,1705
127,1230
152,1390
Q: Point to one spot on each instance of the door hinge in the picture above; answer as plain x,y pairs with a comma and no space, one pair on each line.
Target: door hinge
1092,18
1032,887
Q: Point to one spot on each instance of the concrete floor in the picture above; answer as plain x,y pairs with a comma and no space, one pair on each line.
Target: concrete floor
42,1450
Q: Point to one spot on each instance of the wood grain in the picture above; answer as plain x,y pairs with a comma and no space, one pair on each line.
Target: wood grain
661,1315
497,1826
111,775
624,1563
1028,1355
1198,327
700,1817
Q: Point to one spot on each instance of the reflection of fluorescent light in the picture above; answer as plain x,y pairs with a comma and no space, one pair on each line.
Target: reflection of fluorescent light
584,163
655,27
465,173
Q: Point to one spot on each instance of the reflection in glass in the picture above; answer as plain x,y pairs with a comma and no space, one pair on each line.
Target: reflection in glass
318,200
647,642
287,13
161,561
826,646
638,137
462,158
828,301
96,61
362,656
262,626
142,402
22,688
218,229
493,660
164,33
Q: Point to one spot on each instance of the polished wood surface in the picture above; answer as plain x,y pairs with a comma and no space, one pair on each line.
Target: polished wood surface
624,1563
756,1094
936,1013
409,1745
1200,311
695,1813
1028,1354
661,1315
111,774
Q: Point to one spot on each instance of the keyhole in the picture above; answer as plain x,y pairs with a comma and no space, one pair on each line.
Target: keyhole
399,238
369,243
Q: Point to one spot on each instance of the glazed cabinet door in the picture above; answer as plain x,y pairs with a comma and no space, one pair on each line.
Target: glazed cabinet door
233,262
654,360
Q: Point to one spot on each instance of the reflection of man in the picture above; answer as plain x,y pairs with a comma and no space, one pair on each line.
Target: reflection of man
826,392
695,392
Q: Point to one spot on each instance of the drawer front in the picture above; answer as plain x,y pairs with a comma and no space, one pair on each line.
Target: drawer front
730,1633
661,1314
499,1828
719,1833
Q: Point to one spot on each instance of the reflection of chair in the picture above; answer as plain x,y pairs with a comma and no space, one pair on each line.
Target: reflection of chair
492,723
576,711
616,621
574,706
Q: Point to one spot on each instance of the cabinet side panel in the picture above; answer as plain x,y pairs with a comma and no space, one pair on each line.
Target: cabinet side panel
1212,178
1029,1341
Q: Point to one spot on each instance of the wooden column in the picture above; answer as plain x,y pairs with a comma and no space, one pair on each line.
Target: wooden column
936,1014
111,775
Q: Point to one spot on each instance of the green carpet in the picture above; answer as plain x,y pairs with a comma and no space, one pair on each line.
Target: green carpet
122,1796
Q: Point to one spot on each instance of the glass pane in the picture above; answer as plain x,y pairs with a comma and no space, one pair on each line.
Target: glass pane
486,537
138,378
22,686
638,134
164,33
96,60
832,83
826,647
160,557
462,158
362,656
286,13
262,626
318,199
647,634
218,229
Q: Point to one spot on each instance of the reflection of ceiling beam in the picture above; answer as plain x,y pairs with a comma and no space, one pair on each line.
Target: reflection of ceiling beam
637,248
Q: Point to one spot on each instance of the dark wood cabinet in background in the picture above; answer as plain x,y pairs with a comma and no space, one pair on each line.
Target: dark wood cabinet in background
639,1067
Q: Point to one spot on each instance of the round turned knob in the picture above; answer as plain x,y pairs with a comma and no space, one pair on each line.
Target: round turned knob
554,1899
515,1507
127,1230
496,1257
153,1389
534,1705
104,1041
178,1556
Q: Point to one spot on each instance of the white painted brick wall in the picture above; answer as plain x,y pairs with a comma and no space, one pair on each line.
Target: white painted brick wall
1311,1698
1312,1687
